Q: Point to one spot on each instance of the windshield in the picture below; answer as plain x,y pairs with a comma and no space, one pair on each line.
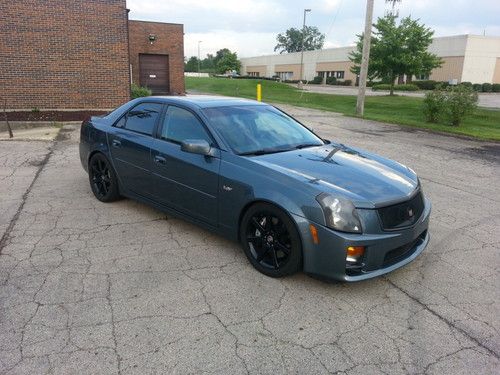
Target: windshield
259,129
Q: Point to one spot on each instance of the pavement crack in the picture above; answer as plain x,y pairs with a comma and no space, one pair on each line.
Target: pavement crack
443,319
13,221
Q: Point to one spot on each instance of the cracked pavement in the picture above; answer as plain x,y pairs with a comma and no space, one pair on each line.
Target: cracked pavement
88,287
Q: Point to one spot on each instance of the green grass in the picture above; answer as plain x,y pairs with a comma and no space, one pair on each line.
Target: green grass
483,124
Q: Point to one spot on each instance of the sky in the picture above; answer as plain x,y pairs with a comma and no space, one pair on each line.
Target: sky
249,27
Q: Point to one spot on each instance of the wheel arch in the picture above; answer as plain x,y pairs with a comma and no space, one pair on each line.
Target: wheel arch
110,161
278,206
91,154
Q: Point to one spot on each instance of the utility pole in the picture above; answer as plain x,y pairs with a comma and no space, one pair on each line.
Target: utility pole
302,49
199,71
360,104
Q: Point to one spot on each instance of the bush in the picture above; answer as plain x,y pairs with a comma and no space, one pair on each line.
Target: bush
467,84
386,86
426,85
254,77
495,87
487,87
434,105
406,87
139,91
381,86
454,102
331,80
459,102
347,82
477,87
316,80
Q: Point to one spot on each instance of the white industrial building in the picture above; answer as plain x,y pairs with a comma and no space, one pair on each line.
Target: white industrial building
466,58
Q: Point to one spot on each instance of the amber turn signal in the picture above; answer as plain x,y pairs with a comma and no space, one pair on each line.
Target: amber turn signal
314,234
354,253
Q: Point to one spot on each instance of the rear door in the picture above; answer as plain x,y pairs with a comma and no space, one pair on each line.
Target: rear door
185,181
130,144
154,73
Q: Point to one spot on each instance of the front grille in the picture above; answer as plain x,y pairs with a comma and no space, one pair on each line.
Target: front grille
402,214
398,254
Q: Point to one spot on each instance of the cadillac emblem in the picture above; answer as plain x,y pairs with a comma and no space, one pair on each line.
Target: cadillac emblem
410,212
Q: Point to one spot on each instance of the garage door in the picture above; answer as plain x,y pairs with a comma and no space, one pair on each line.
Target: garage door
154,73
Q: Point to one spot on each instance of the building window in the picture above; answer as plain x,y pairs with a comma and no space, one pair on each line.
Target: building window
254,74
333,73
422,77
285,76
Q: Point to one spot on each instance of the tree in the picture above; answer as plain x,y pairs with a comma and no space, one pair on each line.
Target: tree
397,50
291,40
365,54
208,64
225,60
191,65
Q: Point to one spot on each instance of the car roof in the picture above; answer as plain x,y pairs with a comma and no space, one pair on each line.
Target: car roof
207,101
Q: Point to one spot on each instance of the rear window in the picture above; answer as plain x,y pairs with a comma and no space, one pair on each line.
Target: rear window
141,119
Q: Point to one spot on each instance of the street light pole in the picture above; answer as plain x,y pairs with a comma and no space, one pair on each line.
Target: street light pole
199,72
302,48
363,73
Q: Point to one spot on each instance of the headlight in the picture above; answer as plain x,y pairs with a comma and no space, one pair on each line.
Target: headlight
340,213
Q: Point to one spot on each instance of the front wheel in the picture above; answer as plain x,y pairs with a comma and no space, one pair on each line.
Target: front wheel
102,178
271,241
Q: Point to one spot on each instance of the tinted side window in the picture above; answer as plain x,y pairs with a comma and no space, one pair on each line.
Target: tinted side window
142,118
181,124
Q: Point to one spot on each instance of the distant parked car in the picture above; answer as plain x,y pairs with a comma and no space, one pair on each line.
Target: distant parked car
251,172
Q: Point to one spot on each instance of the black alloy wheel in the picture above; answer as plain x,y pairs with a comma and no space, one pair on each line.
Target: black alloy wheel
271,241
102,179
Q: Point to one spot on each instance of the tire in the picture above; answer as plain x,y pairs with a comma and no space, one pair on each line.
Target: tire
102,179
271,241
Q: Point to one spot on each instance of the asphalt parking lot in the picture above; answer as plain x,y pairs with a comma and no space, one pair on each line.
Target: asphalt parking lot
88,287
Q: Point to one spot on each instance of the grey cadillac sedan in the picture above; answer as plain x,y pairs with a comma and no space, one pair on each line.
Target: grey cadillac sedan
249,171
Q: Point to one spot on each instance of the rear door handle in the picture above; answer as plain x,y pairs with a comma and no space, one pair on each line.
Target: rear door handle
116,143
160,159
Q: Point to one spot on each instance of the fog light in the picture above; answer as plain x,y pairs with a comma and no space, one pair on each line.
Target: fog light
355,253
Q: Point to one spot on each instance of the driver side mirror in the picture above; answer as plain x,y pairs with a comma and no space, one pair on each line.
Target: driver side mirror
197,146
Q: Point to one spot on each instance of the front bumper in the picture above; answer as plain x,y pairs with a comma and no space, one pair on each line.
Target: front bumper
385,251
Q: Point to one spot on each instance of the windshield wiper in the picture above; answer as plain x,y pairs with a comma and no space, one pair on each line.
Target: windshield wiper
264,151
305,145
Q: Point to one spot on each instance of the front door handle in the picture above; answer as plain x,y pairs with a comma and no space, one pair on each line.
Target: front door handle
160,159
116,143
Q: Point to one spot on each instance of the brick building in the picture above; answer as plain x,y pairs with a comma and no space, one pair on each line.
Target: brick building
157,56
83,54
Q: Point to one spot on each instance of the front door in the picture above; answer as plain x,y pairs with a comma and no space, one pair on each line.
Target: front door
154,74
130,141
185,181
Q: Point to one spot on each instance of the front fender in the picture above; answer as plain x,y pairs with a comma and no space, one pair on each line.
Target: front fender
240,187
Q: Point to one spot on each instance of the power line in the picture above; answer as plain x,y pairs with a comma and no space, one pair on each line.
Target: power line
334,19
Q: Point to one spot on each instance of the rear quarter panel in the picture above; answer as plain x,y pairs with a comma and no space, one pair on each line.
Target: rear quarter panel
93,138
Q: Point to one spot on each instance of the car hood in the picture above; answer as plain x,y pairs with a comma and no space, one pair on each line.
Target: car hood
368,180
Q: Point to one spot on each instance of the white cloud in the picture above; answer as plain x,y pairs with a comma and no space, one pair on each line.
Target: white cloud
330,5
246,44
249,27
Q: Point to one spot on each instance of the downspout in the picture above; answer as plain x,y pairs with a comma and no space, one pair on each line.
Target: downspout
128,56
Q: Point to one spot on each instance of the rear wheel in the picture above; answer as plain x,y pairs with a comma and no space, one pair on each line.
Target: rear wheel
271,241
102,177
